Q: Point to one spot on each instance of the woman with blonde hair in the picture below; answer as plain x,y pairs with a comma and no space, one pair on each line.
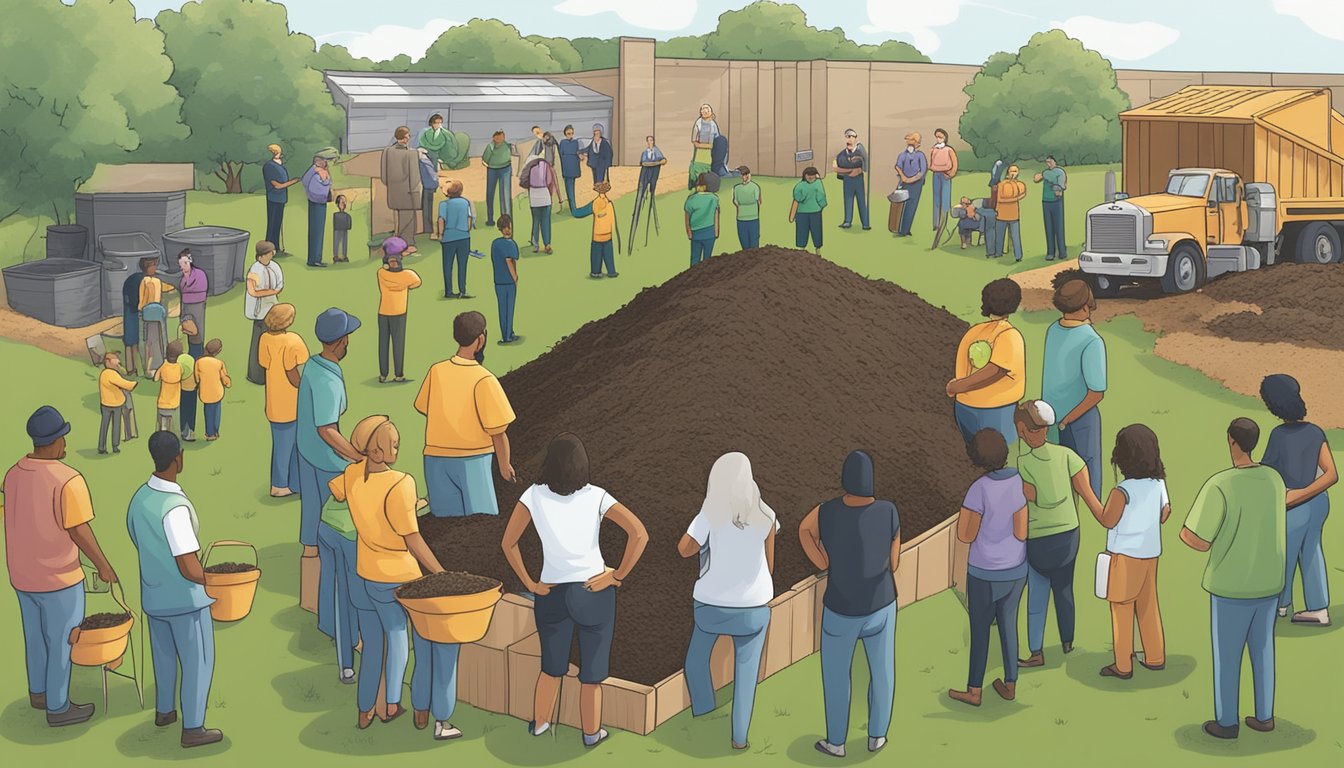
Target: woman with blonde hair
734,535
389,552
280,353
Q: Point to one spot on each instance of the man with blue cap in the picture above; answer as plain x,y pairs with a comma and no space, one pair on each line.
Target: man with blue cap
857,537
47,516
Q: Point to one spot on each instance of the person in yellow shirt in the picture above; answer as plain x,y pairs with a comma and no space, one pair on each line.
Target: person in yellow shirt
151,287
394,287
1010,193
389,551
113,393
212,378
281,352
603,211
467,417
153,313
169,376
991,366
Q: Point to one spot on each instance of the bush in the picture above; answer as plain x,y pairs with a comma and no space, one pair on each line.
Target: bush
1053,97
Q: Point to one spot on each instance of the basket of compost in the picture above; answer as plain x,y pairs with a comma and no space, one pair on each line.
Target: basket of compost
452,606
233,585
101,638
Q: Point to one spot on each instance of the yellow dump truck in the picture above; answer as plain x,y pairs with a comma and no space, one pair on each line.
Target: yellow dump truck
1220,179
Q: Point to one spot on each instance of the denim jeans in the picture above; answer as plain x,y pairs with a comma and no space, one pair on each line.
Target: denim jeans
313,495
988,602
541,225
502,178
1083,437
188,640
908,213
839,635
993,246
749,234
1054,229
1010,231
434,679
942,195
600,255
1050,563
569,192
1240,626
317,226
285,455
187,411
275,219
746,626
855,193
213,412
702,245
385,649
807,225
455,251
47,620
458,486
336,613
507,297
971,420
1305,522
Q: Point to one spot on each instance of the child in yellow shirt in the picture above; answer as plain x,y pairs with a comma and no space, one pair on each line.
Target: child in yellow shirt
212,378
169,376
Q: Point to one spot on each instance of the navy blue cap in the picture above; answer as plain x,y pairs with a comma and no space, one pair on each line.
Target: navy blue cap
46,426
857,476
333,324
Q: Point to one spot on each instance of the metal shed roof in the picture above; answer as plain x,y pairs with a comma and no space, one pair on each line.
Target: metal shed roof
1226,103
380,88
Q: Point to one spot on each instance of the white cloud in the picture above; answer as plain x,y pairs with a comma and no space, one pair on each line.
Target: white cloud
662,15
389,40
918,20
1321,16
1119,40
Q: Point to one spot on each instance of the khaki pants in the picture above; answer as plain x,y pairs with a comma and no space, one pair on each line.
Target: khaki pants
406,225
1132,593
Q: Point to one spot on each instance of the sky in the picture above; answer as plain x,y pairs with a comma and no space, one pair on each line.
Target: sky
1226,35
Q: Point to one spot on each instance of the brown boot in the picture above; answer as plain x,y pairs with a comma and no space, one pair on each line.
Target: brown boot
1037,659
1008,691
1263,726
969,696
421,719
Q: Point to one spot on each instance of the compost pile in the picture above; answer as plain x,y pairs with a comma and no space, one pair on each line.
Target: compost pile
447,584
231,568
103,621
786,357
1299,302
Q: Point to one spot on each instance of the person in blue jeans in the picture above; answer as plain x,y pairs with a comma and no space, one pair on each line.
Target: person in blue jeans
570,166
340,597
1239,518
1053,183
504,259
911,167
1073,374
857,537
1298,450
498,160
809,200
163,526
734,537
747,200
453,232
702,218
851,165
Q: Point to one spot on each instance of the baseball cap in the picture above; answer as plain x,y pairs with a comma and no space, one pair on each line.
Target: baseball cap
394,246
328,153
46,426
334,323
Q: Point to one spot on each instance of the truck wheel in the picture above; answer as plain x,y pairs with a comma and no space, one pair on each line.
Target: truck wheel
1318,244
1185,270
1105,286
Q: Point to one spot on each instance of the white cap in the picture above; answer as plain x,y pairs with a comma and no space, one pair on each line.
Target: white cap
1042,413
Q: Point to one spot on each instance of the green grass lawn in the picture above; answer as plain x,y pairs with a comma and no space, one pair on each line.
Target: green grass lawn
275,690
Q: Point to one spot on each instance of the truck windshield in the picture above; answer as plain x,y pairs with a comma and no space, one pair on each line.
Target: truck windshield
1188,184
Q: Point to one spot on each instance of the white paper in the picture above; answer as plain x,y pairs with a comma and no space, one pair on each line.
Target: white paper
1103,574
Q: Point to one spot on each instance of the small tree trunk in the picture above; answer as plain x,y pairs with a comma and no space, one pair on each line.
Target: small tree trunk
233,184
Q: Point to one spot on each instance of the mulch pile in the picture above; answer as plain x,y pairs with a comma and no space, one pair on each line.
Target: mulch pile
786,357
1300,304
231,568
447,584
104,621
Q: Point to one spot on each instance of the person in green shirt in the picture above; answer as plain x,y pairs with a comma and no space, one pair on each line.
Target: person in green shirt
809,198
1054,478
747,200
1054,182
1240,519
702,218
445,147
498,159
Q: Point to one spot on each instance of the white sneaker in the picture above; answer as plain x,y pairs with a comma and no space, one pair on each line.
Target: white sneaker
348,676
876,742
1283,613
445,731
592,740
537,730
1320,618
827,748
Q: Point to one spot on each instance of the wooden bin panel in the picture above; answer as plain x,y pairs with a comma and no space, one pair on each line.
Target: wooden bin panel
819,606
935,563
512,621
778,652
629,706
960,553
524,665
671,697
483,677
907,577
804,619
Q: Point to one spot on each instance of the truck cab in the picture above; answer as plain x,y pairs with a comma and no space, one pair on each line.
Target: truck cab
1204,223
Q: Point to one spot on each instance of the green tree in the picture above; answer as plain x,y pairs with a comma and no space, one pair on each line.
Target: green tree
891,50
1054,97
566,56
80,84
487,45
768,30
685,47
332,57
598,53
246,82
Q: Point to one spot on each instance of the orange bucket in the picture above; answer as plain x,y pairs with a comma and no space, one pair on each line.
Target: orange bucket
233,592
453,618
102,647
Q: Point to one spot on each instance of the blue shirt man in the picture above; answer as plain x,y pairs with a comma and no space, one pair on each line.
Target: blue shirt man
851,165
323,452
911,166
504,260
570,167
1073,376
599,154
276,180
455,220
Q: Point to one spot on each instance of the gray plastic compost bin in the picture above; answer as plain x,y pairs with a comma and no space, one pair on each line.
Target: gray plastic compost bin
120,256
220,251
67,241
64,292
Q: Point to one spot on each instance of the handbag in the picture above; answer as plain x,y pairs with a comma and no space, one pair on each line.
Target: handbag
1103,580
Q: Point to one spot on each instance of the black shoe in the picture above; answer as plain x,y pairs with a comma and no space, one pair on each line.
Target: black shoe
614,274
465,296
865,229
319,264
844,226
1068,647
73,715
165,719
199,737
1217,731
101,452
489,222
595,276
450,295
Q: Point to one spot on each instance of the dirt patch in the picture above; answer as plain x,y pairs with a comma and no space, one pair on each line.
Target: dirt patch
447,584
1240,328
104,621
788,358
231,568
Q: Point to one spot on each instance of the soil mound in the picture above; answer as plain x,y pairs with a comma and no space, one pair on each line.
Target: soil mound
104,621
776,353
447,584
1299,304
231,568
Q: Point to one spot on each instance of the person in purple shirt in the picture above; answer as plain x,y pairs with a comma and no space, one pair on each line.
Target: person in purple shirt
911,166
993,520
317,187
193,288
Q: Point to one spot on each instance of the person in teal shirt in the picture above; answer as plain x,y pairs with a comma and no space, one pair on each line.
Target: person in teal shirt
454,234
747,200
164,527
504,261
1240,519
1073,376
1054,181
702,218
498,159
809,198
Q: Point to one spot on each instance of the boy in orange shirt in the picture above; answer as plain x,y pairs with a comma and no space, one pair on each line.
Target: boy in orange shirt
602,253
212,378
169,376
